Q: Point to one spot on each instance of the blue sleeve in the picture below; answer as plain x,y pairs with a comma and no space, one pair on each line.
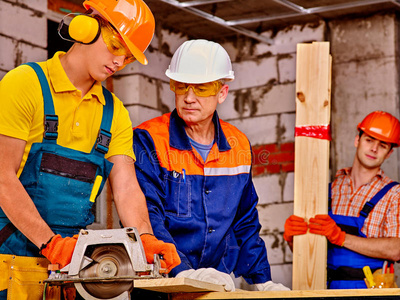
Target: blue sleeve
253,262
150,176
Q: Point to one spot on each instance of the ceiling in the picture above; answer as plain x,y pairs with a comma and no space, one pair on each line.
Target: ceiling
223,19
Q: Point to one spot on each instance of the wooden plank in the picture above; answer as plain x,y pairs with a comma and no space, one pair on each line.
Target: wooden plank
307,294
177,285
311,176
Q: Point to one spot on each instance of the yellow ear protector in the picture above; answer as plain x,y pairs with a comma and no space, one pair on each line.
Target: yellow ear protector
83,29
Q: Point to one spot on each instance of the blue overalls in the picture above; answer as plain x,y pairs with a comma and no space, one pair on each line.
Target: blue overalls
59,180
345,266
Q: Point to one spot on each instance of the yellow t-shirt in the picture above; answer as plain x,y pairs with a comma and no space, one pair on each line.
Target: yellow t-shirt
22,111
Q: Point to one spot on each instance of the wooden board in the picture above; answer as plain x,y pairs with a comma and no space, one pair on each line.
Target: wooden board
187,289
311,176
177,285
317,294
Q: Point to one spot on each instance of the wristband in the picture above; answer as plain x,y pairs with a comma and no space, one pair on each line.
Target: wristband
45,245
147,233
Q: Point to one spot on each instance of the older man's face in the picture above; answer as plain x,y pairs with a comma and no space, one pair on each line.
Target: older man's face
196,110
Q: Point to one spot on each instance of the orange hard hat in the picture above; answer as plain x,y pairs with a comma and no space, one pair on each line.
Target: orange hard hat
132,18
382,126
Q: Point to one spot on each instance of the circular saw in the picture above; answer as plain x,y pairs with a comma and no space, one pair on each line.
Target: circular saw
111,261
105,264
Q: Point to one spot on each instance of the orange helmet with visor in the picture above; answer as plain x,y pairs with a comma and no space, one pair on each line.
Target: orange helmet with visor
132,19
114,42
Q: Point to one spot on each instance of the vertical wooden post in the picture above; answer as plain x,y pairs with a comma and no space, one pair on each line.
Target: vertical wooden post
311,176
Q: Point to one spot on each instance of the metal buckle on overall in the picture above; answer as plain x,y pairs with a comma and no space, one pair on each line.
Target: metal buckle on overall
50,127
103,141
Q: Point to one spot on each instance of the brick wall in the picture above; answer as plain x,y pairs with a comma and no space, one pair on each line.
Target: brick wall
273,159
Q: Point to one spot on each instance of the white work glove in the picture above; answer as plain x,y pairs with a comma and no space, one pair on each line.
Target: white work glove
210,275
270,286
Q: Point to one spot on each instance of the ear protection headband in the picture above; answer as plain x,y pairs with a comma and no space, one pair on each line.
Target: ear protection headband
83,29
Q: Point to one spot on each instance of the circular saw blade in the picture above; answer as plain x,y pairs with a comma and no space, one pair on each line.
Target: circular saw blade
110,261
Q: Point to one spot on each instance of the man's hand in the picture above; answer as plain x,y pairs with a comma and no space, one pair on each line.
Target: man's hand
170,258
210,275
59,250
294,225
324,225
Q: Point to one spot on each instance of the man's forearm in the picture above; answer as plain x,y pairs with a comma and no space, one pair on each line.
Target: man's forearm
383,248
128,197
134,214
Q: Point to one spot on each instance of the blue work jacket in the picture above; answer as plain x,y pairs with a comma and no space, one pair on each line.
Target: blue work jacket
207,209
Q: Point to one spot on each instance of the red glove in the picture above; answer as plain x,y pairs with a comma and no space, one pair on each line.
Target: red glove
170,258
59,250
324,225
294,225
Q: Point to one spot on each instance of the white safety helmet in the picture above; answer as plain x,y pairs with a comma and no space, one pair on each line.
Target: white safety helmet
200,61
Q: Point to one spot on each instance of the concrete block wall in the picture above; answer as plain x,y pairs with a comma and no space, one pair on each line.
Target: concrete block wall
23,35
261,101
365,78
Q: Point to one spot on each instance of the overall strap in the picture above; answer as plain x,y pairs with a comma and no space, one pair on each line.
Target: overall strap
369,206
50,118
104,137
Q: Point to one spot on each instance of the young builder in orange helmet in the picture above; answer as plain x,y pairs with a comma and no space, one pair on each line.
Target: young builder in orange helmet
59,131
362,227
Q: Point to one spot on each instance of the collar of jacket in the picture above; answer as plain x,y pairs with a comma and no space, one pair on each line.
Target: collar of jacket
180,140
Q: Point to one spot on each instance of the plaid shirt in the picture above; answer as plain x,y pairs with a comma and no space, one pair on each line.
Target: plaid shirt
383,220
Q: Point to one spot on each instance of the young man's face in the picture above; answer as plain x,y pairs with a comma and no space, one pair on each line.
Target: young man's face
99,61
108,54
371,153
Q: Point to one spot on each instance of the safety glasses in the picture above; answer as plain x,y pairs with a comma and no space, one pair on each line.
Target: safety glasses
201,89
114,42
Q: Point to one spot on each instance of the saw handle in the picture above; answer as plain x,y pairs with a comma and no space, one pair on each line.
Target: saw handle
158,260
